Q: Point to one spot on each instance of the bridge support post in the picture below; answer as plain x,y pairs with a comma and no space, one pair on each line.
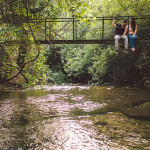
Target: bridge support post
45,29
128,23
103,29
73,28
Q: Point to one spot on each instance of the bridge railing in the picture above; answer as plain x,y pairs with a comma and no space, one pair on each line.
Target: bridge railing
72,29
99,28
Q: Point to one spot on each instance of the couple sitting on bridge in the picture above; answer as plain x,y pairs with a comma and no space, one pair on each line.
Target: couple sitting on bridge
121,31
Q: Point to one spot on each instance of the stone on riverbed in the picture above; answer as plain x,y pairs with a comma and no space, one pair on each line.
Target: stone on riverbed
141,111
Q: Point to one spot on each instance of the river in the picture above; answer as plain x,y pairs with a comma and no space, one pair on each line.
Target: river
72,117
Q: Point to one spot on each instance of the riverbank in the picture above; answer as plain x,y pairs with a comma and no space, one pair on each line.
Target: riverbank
11,86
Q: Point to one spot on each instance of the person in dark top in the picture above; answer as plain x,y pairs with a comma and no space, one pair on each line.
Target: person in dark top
121,30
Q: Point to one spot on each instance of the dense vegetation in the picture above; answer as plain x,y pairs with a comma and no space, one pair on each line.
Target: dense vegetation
28,63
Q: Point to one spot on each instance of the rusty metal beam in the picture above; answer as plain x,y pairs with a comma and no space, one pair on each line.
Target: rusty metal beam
76,42
69,42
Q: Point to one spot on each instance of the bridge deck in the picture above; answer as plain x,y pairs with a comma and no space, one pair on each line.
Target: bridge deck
84,41
70,42
76,42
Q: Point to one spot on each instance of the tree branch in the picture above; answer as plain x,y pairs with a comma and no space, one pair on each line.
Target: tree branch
32,35
125,8
20,72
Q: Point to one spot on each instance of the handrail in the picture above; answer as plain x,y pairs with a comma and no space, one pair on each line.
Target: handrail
105,18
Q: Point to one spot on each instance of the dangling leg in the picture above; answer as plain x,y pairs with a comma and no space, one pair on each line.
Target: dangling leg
117,38
125,42
131,42
134,41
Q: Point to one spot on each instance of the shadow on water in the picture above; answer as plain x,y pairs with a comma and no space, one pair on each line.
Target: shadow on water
75,117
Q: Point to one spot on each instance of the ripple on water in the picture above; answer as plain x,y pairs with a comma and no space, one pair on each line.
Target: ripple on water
60,103
62,88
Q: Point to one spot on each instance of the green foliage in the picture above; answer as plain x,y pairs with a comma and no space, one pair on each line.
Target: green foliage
56,72
56,77
122,70
77,60
100,60
73,8
4,70
100,65
36,72
120,8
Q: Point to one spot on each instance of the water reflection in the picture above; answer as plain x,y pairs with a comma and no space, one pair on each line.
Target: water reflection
16,118
74,117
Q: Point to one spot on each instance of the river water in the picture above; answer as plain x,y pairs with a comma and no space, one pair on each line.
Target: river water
75,118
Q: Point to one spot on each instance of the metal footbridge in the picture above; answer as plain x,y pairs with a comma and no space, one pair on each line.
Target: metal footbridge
96,30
